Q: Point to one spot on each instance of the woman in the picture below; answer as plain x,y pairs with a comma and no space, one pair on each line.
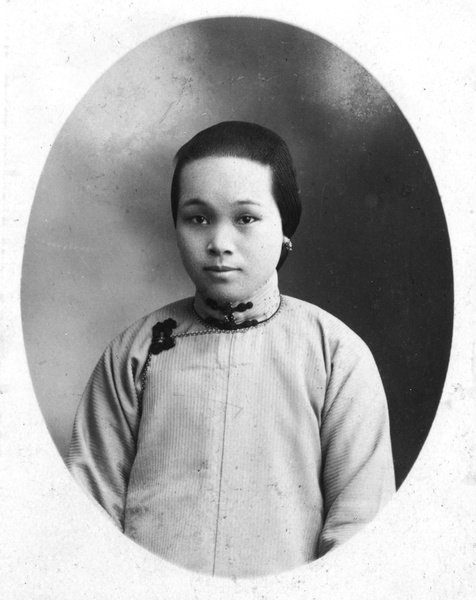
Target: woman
237,433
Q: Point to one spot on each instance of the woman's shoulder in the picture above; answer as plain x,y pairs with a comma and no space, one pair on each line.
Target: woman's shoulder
140,331
310,317
307,310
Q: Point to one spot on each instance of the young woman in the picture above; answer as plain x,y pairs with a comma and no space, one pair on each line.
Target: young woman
239,432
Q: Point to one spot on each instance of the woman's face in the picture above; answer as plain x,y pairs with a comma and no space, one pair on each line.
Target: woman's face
229,229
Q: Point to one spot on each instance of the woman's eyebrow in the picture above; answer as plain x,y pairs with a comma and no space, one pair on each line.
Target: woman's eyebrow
241,202
193,202
200,202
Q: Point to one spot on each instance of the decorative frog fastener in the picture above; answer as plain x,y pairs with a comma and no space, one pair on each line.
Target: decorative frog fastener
162,336
229,318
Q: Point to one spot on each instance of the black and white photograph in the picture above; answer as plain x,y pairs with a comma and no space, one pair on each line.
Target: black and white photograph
240,305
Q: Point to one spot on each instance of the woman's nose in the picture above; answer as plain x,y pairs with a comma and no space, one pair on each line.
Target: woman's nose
220,241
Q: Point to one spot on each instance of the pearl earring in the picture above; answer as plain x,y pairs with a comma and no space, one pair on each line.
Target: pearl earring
287,244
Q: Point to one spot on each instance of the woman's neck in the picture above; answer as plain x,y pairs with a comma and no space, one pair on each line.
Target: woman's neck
242,313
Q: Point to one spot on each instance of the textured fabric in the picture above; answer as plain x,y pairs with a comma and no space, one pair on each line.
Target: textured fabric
249,452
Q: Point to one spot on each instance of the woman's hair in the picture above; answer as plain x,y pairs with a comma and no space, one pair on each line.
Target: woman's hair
254,142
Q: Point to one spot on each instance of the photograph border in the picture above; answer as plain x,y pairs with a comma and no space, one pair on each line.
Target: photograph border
54,549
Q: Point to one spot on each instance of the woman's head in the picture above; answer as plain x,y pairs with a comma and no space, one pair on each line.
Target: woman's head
234,201
254,142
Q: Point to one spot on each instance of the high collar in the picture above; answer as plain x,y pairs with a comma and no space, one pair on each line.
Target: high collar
236,315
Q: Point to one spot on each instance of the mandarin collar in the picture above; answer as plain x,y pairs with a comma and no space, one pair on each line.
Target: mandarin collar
262,305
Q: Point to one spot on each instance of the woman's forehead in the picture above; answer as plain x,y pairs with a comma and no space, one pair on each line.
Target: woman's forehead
230,177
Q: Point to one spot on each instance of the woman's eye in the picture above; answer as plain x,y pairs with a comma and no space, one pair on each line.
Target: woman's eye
247,219
199,220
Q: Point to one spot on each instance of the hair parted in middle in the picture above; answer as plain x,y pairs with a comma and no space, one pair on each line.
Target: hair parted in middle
241,139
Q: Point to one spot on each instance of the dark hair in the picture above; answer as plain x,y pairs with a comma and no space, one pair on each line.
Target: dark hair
254,142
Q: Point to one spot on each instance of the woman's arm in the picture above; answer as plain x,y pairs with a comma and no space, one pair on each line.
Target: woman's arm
358,475
103,446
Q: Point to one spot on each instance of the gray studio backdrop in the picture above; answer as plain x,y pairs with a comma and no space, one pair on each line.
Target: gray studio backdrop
372,247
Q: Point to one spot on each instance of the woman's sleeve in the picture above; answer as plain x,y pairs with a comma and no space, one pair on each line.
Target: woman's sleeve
358,475
104,439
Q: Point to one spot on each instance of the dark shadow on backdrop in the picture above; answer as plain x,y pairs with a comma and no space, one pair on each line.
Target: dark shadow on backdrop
372,247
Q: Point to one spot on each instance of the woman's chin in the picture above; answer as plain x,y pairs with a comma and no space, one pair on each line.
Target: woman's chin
223,294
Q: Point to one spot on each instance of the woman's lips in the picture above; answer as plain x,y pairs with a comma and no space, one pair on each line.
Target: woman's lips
221,269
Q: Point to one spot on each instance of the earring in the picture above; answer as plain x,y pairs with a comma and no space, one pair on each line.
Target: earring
287,244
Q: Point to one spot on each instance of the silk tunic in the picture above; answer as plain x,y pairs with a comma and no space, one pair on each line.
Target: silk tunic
237,453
